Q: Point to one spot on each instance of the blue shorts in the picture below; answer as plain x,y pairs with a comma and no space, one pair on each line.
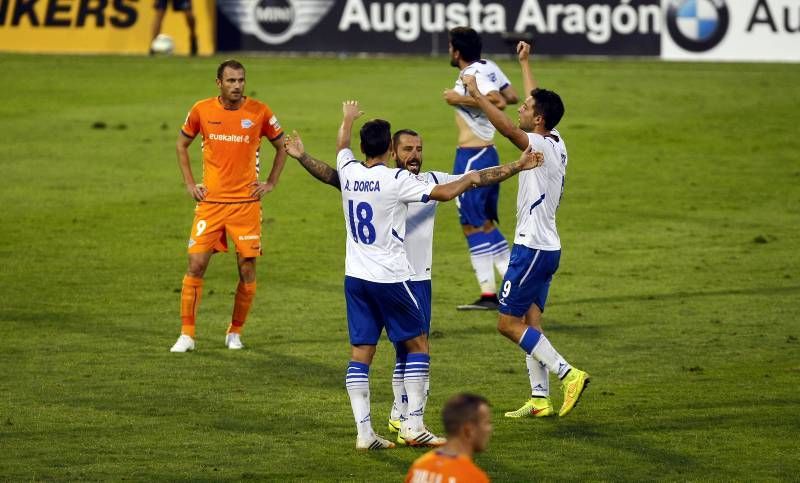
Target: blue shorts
177,5
527,280
479,205
371,306
422,292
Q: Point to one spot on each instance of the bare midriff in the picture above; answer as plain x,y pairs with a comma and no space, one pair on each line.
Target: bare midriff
466,137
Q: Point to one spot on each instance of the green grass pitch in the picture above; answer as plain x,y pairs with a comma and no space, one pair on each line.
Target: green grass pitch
679,285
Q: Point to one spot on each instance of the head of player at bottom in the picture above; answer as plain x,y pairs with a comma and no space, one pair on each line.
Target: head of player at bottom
467,421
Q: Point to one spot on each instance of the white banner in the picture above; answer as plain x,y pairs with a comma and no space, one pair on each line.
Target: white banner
732,30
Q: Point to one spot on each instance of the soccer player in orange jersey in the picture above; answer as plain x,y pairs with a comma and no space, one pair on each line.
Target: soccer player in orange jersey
468,422
228,199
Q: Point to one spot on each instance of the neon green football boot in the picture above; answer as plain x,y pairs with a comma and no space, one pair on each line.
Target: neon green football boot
573,386
535,407
394,428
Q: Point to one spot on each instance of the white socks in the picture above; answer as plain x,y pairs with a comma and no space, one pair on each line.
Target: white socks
544,352
539,377
357,383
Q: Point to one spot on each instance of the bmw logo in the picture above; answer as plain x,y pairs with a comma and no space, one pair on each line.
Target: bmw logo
697,25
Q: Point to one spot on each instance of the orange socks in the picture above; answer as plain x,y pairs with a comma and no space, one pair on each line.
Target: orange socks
241,306
191,292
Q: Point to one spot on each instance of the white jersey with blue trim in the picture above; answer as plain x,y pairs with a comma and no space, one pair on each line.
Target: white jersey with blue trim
375,203
419,228
488,77
539,194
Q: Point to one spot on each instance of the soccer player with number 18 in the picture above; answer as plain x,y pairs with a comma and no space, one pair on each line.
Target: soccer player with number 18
375,202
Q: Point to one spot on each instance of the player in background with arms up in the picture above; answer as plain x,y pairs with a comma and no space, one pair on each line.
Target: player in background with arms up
375,200
468,423
537,246
478,208
229,198
418,242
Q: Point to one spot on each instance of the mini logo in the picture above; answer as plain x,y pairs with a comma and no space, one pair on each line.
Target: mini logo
697,25
275,22
249,237
247,123
215,122
192,242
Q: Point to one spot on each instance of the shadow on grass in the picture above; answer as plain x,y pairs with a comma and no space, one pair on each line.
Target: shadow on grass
769,291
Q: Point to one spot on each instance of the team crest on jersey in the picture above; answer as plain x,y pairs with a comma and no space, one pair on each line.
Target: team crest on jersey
247,123
192,242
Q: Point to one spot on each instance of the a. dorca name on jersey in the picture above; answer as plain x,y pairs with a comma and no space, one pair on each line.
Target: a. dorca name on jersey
363,185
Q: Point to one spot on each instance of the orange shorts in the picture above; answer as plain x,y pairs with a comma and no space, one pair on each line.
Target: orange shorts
214,222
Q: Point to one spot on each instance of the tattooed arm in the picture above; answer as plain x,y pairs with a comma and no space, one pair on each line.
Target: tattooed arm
528,160
318,169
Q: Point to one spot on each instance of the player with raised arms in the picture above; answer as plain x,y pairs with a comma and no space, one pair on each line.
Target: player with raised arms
375,201
418,242
537,246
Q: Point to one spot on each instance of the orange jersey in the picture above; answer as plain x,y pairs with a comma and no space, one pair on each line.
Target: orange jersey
438,467
231,139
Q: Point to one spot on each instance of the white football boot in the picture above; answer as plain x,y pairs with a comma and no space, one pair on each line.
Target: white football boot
184,344
233,341
372,443
421,438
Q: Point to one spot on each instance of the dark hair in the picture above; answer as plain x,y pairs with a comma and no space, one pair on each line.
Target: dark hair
403,132
376,137
548,105
461,409
233,64
467,42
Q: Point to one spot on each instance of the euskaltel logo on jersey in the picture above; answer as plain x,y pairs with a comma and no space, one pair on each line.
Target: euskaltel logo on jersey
697,25
275,22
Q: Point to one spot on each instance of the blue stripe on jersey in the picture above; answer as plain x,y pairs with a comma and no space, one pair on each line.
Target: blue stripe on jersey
349,163
434,178
394,233
398,173
537,203
425,198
